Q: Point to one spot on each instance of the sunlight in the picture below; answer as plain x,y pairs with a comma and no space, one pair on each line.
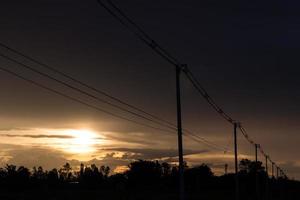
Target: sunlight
82,144
83,141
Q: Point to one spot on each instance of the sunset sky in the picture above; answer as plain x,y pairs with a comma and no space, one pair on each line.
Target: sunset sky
244,54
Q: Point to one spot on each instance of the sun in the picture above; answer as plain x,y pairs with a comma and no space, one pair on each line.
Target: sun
82,142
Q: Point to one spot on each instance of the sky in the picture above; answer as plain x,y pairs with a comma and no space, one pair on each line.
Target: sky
243,53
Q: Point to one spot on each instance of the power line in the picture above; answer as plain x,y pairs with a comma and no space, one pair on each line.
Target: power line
205,141
206,96
186,131
46,66
142,35
153,43
81,91
138,32
261,150
78,100
196,139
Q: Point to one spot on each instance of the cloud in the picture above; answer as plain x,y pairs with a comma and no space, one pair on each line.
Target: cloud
116,157
291,168
14,129
39,136
147,153
130,138
30,157
50,158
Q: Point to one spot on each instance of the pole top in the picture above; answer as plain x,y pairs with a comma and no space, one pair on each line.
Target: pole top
237,123
183,67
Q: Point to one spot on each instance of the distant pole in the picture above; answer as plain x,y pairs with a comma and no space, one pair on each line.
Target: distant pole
267,179
179,129
256,148
277,171
226,169
272,170
267,166
236,163
272,181
256,173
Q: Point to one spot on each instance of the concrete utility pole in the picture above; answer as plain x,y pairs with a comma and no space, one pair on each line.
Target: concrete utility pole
226,169
179,129
237,195
272,181
256,148
267,179
267,166
256,173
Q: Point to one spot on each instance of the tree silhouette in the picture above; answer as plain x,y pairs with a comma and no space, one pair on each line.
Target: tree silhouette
143,180
38,174
144,172
53,177
250,167
198,177
105,170
65,173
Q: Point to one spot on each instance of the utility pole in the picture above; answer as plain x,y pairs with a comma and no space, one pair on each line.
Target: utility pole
179,129
226,169
267,165
256,148
272,181
237,195
267,179
256,173
277,170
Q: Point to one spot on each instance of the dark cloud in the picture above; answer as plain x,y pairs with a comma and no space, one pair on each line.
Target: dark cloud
39,136
291,168
49,158
13,129
141,139
30,157
145,153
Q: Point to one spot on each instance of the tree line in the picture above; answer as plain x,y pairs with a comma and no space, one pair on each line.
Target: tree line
150,177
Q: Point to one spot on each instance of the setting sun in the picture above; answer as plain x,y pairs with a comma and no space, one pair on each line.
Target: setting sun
83,141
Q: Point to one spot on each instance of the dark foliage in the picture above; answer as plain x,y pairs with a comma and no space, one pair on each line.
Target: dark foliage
143,180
